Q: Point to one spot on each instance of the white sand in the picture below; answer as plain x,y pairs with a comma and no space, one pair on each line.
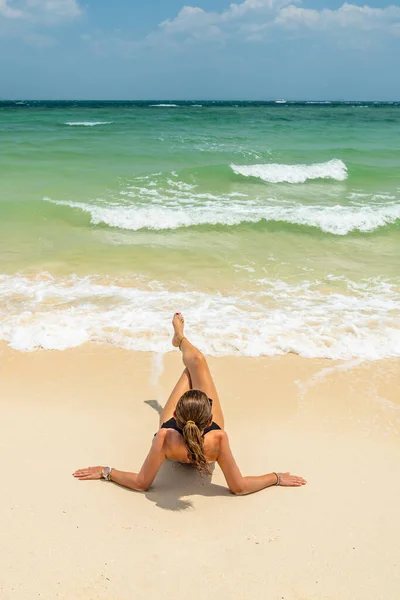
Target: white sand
338,538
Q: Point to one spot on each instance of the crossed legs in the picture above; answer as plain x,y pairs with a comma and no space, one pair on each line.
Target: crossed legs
196,375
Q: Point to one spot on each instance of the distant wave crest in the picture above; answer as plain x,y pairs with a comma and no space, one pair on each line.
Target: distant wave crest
87,123
279,173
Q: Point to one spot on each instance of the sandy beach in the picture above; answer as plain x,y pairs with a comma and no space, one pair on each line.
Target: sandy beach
235,163
335,423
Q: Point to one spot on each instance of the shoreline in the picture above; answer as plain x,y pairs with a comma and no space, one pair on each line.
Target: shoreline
335,423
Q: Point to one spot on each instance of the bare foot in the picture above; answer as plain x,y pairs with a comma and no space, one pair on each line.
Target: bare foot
178,323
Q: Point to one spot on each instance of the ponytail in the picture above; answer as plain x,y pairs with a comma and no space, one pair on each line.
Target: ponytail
193,414
195,446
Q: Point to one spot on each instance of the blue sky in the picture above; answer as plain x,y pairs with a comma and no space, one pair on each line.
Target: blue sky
211,49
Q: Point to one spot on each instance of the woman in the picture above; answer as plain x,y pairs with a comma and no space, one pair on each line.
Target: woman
191,431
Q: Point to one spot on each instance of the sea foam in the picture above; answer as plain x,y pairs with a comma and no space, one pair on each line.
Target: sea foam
279,173
158,215
362,321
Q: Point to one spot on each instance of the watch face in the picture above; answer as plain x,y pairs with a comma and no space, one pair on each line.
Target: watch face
106,472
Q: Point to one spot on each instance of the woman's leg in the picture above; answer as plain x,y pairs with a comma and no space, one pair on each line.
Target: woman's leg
197,366
183,385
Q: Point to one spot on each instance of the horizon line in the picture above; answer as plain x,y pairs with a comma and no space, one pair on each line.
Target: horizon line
22,99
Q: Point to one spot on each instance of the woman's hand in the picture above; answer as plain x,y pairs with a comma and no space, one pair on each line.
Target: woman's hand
288,480
89,473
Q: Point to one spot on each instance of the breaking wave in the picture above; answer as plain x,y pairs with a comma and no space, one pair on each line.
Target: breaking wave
277,173
232,211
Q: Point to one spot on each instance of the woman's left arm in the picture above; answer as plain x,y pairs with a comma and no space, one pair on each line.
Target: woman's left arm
248,485
135,481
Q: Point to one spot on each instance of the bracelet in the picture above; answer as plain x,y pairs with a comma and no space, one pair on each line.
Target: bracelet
278,478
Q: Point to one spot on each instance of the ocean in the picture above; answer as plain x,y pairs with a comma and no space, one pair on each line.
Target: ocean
274,227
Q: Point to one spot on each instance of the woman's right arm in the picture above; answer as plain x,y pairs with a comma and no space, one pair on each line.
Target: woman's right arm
135,481
240,485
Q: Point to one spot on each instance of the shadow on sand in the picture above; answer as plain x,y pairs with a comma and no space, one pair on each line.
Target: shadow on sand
155,405
176,483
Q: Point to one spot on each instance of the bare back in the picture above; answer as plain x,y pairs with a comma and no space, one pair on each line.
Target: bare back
176,450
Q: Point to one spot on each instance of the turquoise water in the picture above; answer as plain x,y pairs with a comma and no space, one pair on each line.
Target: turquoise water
274,227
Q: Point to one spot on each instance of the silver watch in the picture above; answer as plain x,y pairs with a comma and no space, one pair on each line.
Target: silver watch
106,473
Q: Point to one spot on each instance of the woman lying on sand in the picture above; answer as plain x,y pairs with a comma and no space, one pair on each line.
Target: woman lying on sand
188,433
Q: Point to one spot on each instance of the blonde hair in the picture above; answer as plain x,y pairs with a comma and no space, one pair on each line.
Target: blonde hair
193,414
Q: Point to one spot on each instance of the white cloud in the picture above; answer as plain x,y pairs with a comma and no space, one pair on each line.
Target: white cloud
30,20
40,11
196,22
60,9
348,15
188,19
252,19
8,12
252,6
